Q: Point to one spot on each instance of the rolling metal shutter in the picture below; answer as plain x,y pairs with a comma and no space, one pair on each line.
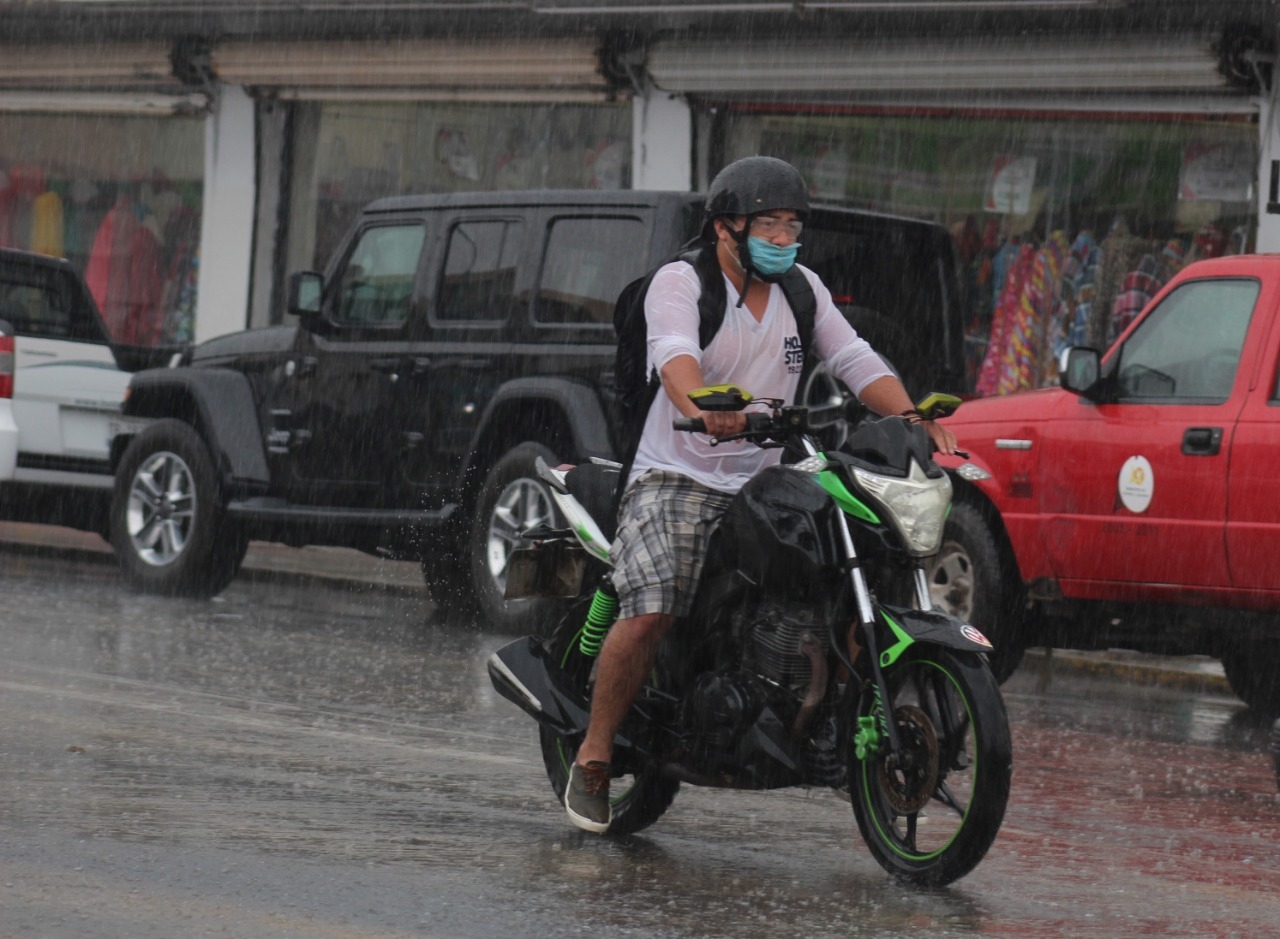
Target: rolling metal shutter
1099,73
524,70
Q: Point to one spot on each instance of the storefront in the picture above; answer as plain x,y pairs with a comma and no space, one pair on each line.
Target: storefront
344,123
1075,177
112,180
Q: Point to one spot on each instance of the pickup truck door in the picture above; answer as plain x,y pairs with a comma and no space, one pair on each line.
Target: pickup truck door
1253,511
339,416
1135,489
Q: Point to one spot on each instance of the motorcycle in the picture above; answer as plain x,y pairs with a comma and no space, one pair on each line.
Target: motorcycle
790,670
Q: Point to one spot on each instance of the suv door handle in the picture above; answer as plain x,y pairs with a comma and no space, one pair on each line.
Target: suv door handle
1202,441
390,366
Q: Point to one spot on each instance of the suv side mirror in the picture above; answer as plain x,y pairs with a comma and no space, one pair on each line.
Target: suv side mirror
306,290
1081,371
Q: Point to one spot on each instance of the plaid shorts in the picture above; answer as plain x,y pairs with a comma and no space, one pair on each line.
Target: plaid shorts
665,523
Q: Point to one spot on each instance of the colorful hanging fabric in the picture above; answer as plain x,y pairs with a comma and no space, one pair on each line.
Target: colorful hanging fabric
1079,287
1000,362
47,225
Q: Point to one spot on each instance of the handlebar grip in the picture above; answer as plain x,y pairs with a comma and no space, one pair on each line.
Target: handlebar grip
692,425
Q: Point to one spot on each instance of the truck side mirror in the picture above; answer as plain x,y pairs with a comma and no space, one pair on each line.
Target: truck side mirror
306,290
1081,371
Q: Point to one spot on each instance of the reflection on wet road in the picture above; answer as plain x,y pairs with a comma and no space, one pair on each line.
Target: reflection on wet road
292,759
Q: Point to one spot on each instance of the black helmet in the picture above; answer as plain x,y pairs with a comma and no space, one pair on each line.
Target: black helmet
757,184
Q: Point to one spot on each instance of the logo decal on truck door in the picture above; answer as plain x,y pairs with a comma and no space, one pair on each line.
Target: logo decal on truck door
1136,484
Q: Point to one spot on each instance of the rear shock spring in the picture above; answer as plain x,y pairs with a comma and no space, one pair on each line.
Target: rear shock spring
604,610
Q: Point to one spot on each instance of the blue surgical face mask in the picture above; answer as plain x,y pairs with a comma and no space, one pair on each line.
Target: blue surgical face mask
770,259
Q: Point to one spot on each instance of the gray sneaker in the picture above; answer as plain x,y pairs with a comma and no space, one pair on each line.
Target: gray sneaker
586,798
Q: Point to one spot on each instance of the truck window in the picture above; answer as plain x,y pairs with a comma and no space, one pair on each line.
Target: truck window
376,286
42,304
1188,348
587,263
479,284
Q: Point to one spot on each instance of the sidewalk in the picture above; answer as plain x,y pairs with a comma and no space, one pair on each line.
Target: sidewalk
1189,672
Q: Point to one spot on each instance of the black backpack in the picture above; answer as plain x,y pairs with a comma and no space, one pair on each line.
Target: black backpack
635,386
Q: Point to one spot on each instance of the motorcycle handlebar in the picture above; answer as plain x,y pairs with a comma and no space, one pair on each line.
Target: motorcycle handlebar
757,423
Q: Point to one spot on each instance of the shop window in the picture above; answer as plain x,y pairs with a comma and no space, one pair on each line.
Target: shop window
120,197
582,273
479,284
347,154
1063,228
1188,348
376,288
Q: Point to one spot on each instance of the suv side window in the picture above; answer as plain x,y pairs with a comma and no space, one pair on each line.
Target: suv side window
479,283
1188,348
42,305
587,263
376,287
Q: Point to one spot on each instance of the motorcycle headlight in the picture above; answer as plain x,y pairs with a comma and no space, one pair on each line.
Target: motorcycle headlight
917,505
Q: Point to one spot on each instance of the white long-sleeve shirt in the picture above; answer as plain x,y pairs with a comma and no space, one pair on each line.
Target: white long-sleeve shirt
764,358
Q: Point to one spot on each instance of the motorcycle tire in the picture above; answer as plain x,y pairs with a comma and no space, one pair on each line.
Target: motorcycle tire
931,817
639,799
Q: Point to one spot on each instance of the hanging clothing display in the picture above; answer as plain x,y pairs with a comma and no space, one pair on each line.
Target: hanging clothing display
1120,251
47,232
1079,288
107,273
1142,284
999,367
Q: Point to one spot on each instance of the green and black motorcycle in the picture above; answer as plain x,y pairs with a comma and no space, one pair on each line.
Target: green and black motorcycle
812,656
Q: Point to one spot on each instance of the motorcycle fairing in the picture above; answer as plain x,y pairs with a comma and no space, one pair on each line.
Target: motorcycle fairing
907,627
524,673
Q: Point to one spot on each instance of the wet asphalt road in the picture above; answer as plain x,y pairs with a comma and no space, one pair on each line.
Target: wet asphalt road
296,760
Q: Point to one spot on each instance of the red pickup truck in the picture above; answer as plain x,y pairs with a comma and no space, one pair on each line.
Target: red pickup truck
1139,504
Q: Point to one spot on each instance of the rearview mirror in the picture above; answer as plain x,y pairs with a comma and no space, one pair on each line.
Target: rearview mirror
306,290
1081,370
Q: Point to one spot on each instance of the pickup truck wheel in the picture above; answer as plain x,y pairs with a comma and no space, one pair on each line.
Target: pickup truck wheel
167,524
511,501
1253,670
969,579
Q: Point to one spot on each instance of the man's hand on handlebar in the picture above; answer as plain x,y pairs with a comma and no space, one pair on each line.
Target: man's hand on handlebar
723,423
942,438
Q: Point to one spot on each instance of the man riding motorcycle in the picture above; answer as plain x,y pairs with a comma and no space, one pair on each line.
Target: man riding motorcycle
679,484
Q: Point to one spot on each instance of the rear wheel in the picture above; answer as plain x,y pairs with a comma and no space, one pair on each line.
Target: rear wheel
930,812
640,798
969,579
168,526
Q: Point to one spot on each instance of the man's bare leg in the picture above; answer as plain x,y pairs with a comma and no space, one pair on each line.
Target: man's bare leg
625,662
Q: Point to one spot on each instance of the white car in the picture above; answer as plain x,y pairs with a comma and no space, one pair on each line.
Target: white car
61,387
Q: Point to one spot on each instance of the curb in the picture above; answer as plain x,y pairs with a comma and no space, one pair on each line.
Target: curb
1195,673
267,560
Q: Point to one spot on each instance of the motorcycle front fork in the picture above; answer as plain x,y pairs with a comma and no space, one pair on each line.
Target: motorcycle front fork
866,626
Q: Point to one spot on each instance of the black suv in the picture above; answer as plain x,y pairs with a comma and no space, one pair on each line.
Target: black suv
453,339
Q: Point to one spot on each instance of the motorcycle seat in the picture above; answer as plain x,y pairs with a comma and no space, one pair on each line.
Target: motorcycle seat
595,486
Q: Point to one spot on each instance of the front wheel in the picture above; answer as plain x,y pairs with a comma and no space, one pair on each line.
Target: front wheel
969,579
1252,668
930,811
639,798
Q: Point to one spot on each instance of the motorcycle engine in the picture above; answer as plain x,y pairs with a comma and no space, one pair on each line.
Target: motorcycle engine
776,632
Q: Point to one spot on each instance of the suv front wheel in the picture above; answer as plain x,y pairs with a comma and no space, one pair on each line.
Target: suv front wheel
167,523
512,500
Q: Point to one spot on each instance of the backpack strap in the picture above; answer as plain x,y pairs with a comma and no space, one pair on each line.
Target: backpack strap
804,306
